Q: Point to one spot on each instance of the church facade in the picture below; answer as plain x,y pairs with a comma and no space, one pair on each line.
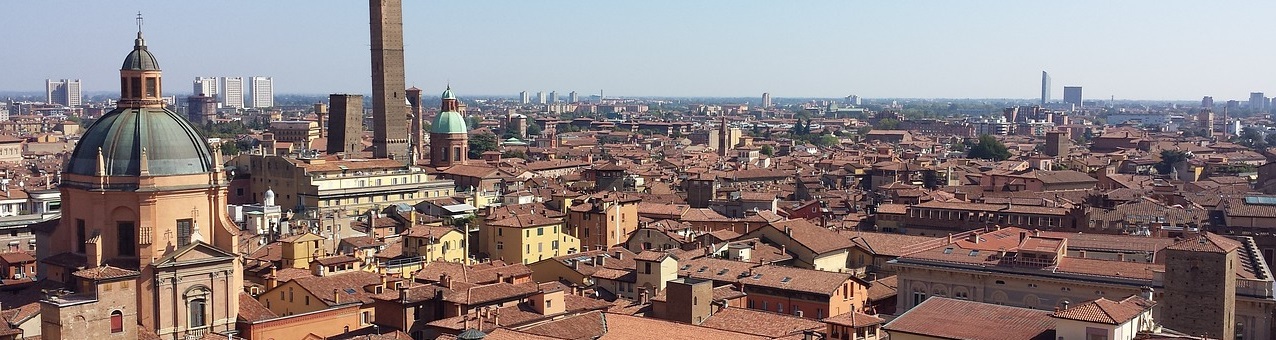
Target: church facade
145,243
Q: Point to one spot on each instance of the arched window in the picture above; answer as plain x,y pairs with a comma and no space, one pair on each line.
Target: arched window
117,322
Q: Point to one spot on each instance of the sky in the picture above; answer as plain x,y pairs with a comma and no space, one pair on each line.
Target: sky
1171,50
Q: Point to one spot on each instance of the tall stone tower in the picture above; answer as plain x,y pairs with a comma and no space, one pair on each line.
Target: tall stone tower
416,144
345,124
389,111
449,137
1200,286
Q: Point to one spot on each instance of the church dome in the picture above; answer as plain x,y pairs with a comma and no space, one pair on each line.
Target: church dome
172,145
449,122
447,94
140,59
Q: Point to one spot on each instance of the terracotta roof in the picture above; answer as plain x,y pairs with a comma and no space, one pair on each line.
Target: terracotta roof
1207,242
104,272
771,276
252,310
811,236
1107,311
854,319
607,326
349,286
886,244
758,322
978,321
883,288
16,257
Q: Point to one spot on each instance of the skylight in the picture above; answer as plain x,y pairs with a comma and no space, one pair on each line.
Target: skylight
786,279
757,277
349,290
974,252
948,250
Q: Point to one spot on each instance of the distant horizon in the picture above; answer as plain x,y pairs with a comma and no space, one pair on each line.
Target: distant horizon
758,97
1161,50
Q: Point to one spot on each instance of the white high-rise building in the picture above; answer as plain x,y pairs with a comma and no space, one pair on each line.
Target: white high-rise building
232,92
524,98
572,97
64,92
766,99
553,96
206,86
263,92
540,97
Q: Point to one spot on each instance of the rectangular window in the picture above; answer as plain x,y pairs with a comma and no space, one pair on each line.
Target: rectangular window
135,86
553,245
152,87
500,245
184,229
127,239
500,232
80,236
540,231
365,318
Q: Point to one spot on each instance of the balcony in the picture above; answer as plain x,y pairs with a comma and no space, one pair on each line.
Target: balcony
1256,288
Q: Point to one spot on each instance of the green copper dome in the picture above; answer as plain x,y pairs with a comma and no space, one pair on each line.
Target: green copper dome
140,58
449,122
172,145
447,94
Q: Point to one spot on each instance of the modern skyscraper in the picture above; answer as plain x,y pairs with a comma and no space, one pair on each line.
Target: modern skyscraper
232,92
524,98
1207,102
1072,95
540,97
389,109
345,123
1257,101
572,97
206,86
766,100
1045,88
63,92
262,92
553,96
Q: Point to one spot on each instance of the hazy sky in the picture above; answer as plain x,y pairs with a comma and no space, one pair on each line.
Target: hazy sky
924,49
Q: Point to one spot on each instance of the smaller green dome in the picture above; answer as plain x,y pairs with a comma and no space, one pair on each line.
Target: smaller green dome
449,122
447,94
140,58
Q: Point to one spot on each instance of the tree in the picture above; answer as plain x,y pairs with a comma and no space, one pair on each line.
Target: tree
887,124
474,121
514,154
768,150
825,140
1270,139
480,143
989,148
533,129
1169,158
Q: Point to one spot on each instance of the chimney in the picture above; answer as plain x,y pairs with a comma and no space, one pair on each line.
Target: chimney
272,281
1036,232
618,255
1121,257
600,260
642,297
1147,293
500,277
446,281
974,237
950,238
1022,235
336,297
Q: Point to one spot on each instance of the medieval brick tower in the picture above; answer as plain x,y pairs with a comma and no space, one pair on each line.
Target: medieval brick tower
449,137
415,133
389,109
1200,286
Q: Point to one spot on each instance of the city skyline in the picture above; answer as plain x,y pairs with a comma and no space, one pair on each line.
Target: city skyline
825,49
